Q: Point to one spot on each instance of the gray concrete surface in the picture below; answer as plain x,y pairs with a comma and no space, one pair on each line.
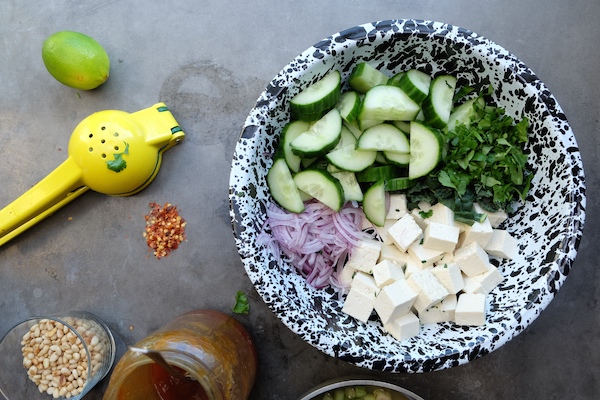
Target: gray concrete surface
209,61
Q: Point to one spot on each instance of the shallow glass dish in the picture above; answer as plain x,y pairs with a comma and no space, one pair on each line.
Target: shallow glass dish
548,226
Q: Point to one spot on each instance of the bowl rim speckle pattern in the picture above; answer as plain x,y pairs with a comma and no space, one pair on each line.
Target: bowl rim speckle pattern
548,226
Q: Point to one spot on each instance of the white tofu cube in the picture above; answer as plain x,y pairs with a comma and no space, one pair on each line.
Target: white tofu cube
447,258
364,283
387,272
441,237
440,312
359,305
450,276
411,267
502,245
394,300
496,218
392,253
472,259
423,256
472,285
418,216
382,231
345,276
404,232
365,255
404,327
490,279
441,215
398,206
429,290
470,309
479,232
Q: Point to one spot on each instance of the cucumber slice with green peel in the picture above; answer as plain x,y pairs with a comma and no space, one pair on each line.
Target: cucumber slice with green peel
439,102
283,188
314,101
381,158
374,203
384,137
290,132
350,186
415,84
399,159
364,77
463,113
426,146
364,124
349,158
352,127
349,106
404,126
388,103
321,185
378,173
398,184
321,137
347,138
395,79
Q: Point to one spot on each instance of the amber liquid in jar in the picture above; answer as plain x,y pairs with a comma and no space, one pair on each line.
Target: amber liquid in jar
211,347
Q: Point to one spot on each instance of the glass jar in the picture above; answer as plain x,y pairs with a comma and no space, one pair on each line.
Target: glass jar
210,347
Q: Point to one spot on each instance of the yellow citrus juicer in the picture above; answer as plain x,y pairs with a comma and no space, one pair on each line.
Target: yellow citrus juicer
111,152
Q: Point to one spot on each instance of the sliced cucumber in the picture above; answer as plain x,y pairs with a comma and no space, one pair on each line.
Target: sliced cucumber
321,137
364,124
347,138
400,159
290,132
349,106
415,84
374,204
439,102
283,188
321,185
378,173
364,77
426,144
384,137
353,127
350,186
398,184
349,158
395,79
404,126
387,103
463,113
314,101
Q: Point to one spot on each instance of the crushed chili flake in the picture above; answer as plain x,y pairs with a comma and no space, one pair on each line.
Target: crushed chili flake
165,229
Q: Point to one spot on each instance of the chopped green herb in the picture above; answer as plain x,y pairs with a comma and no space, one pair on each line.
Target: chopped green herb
241,303
426,214
118,164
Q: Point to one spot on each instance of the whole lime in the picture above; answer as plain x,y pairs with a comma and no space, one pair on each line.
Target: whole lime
76,60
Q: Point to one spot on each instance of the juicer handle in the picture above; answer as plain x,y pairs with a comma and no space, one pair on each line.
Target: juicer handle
161,128
59,188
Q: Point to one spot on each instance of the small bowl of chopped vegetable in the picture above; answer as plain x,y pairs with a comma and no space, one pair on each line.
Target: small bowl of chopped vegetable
407,196
359,389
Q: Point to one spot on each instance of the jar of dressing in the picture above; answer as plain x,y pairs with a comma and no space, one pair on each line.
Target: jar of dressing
213,350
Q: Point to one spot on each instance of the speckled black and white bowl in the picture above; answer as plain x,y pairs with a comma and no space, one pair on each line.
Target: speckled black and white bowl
548,226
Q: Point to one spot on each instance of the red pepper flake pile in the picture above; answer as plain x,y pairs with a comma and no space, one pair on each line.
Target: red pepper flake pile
165,229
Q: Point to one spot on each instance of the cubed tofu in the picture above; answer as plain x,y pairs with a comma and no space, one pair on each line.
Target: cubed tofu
502,245
387,272
359,305
404,327
440,237
484,283
479,232
472,259
382,231
411,267
470,309
440,312
365,283
450,276
423,256
365,255
345,276
441,214
418,216
429,290
404,232
394,300
398,206
496,218
391,252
